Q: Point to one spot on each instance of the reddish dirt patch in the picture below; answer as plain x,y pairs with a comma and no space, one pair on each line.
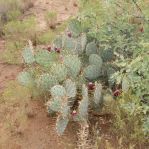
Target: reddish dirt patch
63,8
38,132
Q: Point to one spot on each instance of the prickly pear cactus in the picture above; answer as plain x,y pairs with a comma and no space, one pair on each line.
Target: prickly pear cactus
98,94
92,72
83,106
65,108
69,43
28,56
58,42
59,71
45,58
25,79
54,105
80,44
73,63
91,48
71,88
94,59
58,90
60,103
74,27
109,72
46,81
61,124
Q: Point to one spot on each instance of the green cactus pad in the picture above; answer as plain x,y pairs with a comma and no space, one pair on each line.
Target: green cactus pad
80,44
46,81
58,42
61,124
58,90
45,58
59,71
83,106
70,88
73,63
55,104
92,72
25,79
94,59
91,48
28,56
74,27
98,94
69,43
65,109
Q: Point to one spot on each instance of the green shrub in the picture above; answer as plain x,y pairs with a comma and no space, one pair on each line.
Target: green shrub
12,53
51,19
46,37
25,29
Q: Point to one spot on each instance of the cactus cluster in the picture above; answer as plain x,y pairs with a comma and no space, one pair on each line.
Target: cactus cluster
63,70
62,101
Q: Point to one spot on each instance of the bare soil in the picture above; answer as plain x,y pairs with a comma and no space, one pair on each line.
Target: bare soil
24,124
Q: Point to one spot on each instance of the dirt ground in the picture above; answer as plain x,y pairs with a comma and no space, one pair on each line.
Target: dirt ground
24,123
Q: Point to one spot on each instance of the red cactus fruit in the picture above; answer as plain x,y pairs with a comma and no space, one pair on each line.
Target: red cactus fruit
74,113
91,86
116,93
141,29
69,34
58,50
49,48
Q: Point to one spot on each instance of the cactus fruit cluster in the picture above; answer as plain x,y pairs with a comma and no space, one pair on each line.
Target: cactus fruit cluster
68,70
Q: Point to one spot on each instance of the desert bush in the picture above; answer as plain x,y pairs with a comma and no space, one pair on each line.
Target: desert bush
46,37
25,29
12,10
51,19
12,53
